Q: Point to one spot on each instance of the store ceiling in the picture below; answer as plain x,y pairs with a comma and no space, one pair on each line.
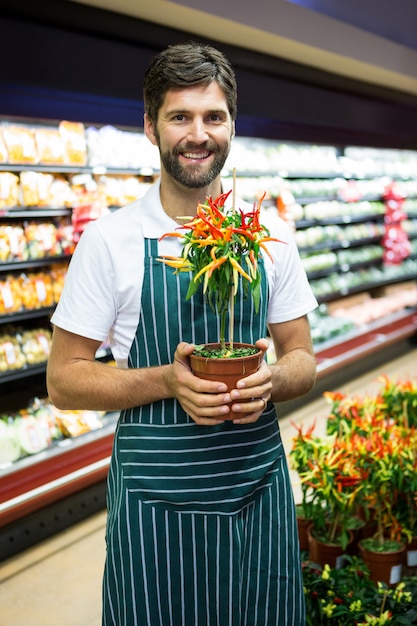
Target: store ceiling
395,20
373,41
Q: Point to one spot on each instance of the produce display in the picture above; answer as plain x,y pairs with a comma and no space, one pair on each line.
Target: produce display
324,327
347,315
361,279
31,290
30,240
40,426
334,200
61,145
20,348
331,234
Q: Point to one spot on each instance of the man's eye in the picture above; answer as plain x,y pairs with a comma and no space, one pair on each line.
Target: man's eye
179,117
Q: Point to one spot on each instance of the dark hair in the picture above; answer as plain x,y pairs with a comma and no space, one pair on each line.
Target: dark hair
184,65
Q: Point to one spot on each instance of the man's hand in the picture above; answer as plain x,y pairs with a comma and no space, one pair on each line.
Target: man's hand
208,402
255,390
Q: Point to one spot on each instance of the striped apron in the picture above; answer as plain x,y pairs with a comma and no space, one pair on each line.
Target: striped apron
201,527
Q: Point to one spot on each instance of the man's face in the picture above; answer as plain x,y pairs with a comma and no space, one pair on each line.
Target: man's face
193,134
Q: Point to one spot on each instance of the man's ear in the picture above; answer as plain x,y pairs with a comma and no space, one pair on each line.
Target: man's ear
148,128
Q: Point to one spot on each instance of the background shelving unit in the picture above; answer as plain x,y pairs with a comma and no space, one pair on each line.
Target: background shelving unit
79,465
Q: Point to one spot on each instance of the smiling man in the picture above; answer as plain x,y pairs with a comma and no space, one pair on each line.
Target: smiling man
201,521
196,138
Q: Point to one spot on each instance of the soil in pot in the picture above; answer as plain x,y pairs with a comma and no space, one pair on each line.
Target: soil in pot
385,566
226,369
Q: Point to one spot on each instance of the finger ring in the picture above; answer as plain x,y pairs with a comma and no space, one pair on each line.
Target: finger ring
264,401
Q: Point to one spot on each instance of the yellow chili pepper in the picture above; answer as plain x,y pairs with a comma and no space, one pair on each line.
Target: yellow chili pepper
239,268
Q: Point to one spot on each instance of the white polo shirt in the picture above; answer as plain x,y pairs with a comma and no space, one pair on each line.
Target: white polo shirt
102,290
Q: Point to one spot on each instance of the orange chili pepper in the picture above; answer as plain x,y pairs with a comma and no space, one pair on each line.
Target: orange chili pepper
217,264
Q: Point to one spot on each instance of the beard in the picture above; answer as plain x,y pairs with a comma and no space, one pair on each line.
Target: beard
194,176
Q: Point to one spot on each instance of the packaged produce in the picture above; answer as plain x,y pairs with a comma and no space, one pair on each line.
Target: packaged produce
65,236
58,273
50,146
121,190
36,345
12,243
42,239
42,410
75,423
36,188
61,194
11,355
9,443
20,144
9,190
32,434
10,294
36,290
3,149
73,137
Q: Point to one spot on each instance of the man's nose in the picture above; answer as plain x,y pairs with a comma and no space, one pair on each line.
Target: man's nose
197,132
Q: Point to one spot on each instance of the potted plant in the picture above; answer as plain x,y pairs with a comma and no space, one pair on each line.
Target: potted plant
221,248
400,400
302,449
405,508
348,595
334,483
379,455
369,466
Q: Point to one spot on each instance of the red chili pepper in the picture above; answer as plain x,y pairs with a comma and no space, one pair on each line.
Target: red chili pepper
244,232
221,200
216,232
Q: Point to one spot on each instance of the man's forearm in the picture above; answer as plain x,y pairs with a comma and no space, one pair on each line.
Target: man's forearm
293,375
103,387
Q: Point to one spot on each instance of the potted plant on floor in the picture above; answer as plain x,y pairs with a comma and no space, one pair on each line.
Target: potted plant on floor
347,596
221,249
399,399
336,483
302,450
379,454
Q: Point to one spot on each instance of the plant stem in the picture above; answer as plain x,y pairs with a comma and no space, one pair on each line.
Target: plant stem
380,529
231,317
222,330
334,527
384,599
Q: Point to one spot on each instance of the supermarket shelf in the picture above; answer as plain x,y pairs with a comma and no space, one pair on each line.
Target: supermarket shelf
70,466
59,471
26,314
373,338
364,286
17,266
18,212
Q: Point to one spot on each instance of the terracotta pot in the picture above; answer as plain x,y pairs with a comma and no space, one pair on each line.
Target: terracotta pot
385,567
302,524
227,370
324,553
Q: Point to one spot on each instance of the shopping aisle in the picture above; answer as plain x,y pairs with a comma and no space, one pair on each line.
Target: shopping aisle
58,582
